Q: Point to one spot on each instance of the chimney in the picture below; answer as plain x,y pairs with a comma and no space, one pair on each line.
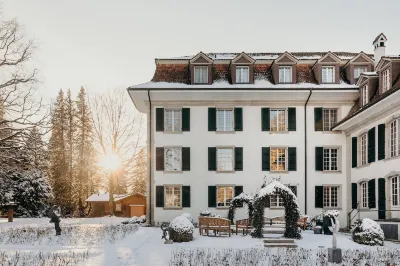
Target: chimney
379,47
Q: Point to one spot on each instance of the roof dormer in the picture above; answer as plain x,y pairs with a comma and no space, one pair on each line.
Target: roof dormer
200,69
242,69
284,69
358,64
327,69
368,84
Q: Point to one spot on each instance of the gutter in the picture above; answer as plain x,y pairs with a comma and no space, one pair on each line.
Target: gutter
149,155
305,152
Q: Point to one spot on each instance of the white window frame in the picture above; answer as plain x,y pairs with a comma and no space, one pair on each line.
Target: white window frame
175,127
386,80
326,81
175,168
394,138
118,207
394,191
227,127
285,74
329,159
225,203
276,150
240,74
174,190
364,195
364,149
276,202
198,70
328,200
330,123
358,70
281,126
365,96
233,159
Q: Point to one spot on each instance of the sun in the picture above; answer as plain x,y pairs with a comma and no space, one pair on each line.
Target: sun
110,161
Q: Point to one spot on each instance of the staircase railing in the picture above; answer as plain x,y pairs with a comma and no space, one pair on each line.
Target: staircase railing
349,218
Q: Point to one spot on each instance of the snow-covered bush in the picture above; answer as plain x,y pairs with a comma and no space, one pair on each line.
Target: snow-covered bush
181,229
205,213
368,232
135,220
189,216
331,213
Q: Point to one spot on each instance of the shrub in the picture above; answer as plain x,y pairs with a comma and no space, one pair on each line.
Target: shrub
181,229
188,216
368,232
135,220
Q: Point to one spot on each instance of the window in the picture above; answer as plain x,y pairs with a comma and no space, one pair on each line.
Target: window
364,195
242,74
331,197
330,159
395,190
225,159
329,118
172,120
118,207
386,80
363,145
224,196
276,201
173,197
285,74
394,138
328,74
225,120
365,96
358,70
278,119
278,159
173,159
200,74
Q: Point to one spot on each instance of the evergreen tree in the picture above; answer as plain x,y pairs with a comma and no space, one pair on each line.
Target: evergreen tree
140,174
35,151
69,145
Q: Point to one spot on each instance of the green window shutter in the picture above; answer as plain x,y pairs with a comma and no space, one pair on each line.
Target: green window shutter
371,145
212,119
354,198
292,119
159,119
238,191
186,159
292,159
238,159
265,153
294,190
212,196
212,159
319,195
265,119
381,141
381,199
371,194
318,125
185,196
159,196
354,152
319,158
238,119
159,159
185,119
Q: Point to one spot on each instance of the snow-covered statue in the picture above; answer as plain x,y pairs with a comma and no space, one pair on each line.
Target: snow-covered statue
54,214
334,229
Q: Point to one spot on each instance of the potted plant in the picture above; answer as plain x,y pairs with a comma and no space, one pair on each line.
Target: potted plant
205,213
317,222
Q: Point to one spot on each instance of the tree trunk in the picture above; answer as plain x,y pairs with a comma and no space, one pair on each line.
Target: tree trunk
111,194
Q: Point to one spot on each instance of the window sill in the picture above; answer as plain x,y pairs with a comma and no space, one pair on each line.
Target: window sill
173,172
362,166
172,208
279,172
225,172
173,132
332,208
332,172
279,132
277,208
390,158
225,132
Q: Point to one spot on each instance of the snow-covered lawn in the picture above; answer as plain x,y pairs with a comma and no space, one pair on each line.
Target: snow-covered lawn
143,246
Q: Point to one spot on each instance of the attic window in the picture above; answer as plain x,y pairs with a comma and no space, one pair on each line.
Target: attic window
328,74
200,74
365,97
285,74
242,74
358,70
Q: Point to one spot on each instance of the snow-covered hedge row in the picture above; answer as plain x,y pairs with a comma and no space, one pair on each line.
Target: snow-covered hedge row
368,232
42,258
135,220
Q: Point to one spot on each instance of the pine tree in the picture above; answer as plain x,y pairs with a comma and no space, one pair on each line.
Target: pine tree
69,145
140,174
34,150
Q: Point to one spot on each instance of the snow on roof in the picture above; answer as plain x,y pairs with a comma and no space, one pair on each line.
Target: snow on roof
369,73
258,84
104,197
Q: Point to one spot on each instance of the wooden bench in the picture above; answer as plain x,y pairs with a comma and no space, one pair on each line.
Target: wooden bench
302,222
244,225
216,224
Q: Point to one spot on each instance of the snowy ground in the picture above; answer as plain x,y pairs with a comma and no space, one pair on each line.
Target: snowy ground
145,247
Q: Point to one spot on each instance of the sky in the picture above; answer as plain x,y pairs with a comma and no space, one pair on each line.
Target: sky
104,44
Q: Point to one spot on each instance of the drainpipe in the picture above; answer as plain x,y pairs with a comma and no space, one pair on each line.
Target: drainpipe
305,152
149,156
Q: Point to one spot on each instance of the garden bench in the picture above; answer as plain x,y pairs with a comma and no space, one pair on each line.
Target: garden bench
216,224
244,224
302,222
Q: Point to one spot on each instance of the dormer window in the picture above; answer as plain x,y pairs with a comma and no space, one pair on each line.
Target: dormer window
386,80
242,74
200,75
328,74
285,74
358,70
365,98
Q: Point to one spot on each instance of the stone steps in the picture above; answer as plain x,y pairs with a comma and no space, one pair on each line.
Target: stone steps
280,245
279,240
273,231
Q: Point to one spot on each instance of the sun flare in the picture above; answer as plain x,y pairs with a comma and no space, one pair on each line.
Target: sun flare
110,161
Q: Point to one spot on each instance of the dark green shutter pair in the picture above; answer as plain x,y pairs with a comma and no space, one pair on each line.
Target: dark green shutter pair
160,119
265,119
160,159
185,196
212,159
372,196
212,119
212,195
266,160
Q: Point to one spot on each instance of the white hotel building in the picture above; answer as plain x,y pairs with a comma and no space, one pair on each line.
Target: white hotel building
325,123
